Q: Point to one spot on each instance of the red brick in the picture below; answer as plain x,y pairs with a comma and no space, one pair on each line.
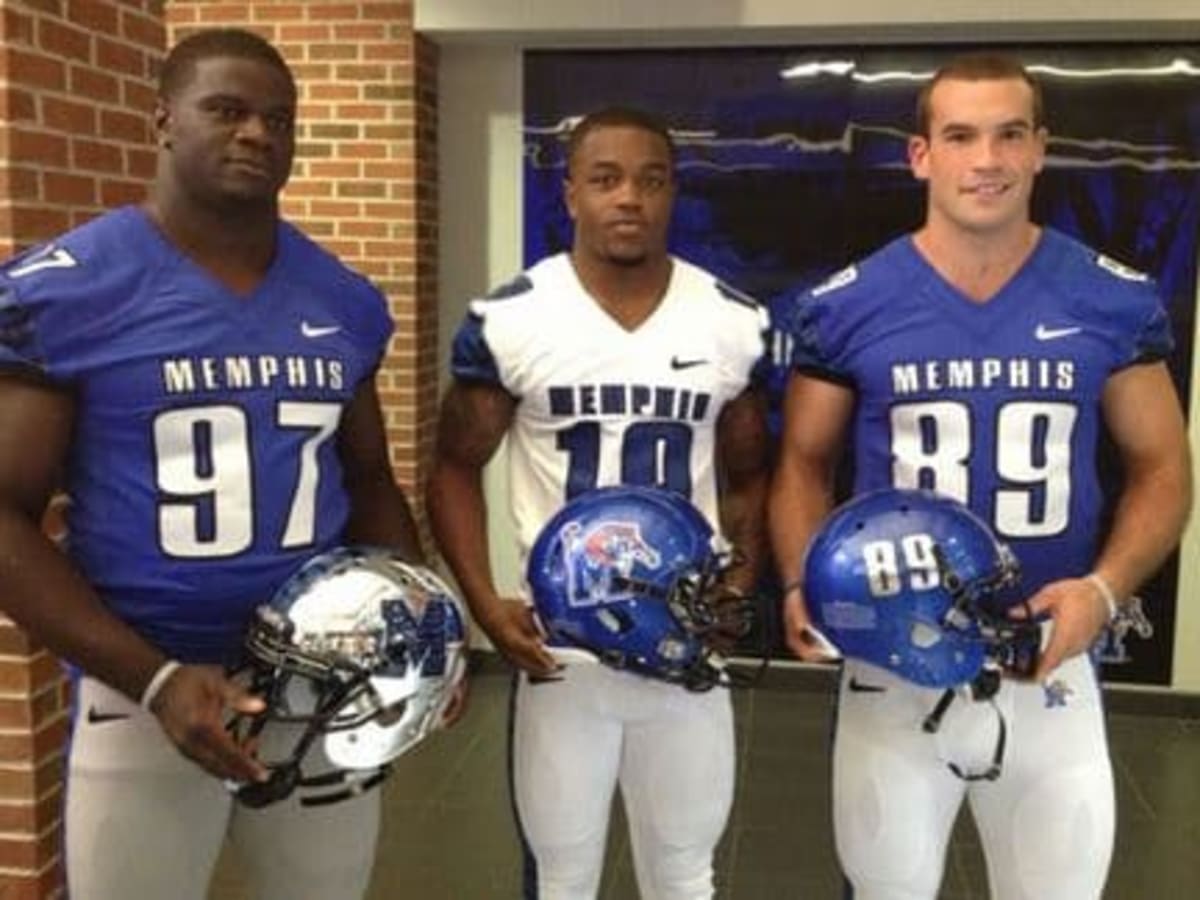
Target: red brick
40,886
120,193
363,229
393,51
391,12
94,84
369,31
363,149
303,33
42,147
63,40
17,105
59,187
32,69
24,747
138,95
15,27
146,31
96,156
225,13
333,91
273,12
116,57
308,72
357,72
361,110
334,51
23,781
30,854
125,126
338,169
319,12
94,15
68,116
139,163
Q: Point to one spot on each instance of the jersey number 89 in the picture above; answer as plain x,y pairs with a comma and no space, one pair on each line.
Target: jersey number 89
932,444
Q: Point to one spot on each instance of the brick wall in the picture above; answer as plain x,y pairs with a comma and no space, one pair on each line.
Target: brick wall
75,100
76,96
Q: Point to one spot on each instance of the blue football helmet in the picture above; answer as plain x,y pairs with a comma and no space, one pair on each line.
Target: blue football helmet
362,649
914,582
632,576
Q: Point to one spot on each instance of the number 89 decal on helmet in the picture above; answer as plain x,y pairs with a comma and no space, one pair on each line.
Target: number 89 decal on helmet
361,651
633,577
917,584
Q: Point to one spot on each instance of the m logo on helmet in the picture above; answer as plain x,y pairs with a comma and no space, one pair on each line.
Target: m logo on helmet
608,551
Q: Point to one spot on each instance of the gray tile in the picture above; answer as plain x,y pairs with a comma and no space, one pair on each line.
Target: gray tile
448,832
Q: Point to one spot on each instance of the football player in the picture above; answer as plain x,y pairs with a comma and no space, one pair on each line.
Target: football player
615,363
981,357
201,376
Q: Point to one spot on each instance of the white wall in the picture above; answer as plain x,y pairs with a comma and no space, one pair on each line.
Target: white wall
480,144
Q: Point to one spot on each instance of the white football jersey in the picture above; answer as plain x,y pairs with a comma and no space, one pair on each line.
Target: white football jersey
599,405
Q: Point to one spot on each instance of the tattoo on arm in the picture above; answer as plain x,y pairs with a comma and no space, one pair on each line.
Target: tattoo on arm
474,419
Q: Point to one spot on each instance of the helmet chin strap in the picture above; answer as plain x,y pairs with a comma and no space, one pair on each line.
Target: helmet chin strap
1013,645
983,688
287,776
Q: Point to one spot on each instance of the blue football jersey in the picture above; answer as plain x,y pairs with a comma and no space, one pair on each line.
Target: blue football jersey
204,467
995,404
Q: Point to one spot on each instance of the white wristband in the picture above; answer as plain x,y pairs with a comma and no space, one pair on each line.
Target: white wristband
154,688
1110,599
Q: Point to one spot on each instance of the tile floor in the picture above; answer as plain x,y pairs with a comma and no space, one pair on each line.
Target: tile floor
448,832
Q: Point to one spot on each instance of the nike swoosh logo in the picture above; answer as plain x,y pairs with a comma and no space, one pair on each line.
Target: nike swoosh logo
1042,333
677,363
316,331
859,688
95,717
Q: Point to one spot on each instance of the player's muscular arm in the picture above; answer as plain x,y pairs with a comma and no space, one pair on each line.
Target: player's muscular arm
742,445
43,592
1144,417
379,511
473,421
816,415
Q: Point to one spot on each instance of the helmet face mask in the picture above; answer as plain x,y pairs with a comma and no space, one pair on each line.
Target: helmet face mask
915,583
361,651
631,575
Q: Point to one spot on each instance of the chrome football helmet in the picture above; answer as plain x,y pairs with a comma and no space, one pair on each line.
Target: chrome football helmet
364,651
915,583
632,576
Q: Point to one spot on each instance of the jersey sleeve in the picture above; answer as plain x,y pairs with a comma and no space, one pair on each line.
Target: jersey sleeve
1154,340
815,350
471,358
18,339
48,313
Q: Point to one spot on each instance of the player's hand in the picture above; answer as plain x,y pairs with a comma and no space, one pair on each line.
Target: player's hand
515,634
456,706
805,641
193,708
1079,613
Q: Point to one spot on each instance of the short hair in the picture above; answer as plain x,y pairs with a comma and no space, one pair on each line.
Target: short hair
617,117
980,66
180,64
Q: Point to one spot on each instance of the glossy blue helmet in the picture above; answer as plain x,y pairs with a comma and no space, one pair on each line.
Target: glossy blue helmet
915,583
632,576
